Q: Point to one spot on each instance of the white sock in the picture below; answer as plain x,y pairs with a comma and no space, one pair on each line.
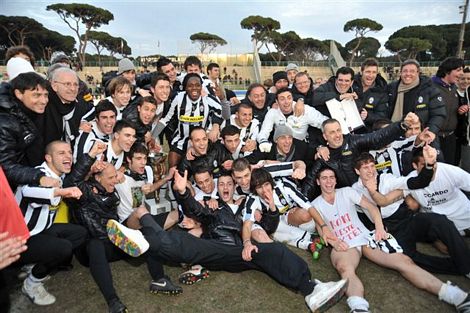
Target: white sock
452,294
32,281
355,302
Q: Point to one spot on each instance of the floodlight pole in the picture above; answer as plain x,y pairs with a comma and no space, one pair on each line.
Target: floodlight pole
460,53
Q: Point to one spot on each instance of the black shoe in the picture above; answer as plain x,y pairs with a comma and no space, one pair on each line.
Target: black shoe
116,306
165,286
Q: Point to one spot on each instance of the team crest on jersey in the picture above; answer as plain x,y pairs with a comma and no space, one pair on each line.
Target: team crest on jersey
215,163
201,108
371,100
283,201
439,98
420,99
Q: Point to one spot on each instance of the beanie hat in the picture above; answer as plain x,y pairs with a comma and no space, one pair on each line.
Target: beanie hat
61,58
292,66
282,130
279,75
17,66
125,65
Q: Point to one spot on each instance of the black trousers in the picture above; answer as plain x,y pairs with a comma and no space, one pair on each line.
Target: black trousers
274,259
98,253
429,227
448,145
52,247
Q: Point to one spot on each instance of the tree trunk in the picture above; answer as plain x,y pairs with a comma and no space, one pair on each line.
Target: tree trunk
353,52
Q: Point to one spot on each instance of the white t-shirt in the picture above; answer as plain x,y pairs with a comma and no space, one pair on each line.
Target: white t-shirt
443,195
387,183
342,217
130,192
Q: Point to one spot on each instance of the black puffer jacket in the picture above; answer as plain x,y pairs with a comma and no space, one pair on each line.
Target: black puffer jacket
221,225
328,91
374,99
424,100
308,97
342,158
17,135
96,206
216,155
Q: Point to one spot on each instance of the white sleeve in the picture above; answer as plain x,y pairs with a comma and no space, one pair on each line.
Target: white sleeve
254,129
40,193
459,176
267,126
389,182
314,117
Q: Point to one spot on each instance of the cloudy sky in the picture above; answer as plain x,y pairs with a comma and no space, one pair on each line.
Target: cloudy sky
165,26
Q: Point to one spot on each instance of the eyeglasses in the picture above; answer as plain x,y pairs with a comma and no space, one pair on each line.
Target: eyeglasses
67,84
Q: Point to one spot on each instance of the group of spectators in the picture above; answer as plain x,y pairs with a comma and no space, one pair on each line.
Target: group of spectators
244,177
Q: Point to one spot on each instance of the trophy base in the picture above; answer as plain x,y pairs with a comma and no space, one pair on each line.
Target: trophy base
156,208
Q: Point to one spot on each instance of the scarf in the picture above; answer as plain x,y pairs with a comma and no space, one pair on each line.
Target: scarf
402,88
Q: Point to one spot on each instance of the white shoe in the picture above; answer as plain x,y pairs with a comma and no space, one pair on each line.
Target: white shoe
129,240
37,293
325,295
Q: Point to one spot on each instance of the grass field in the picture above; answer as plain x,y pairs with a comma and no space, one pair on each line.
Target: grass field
249,291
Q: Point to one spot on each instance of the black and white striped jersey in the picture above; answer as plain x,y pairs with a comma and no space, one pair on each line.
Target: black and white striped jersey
203,112
286,196
85,140
111,157
38,204
389,160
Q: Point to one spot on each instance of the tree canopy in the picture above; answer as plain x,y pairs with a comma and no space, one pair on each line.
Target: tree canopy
74,14
207,42
21,30
368,47
262,28
407,48
443,38
360,27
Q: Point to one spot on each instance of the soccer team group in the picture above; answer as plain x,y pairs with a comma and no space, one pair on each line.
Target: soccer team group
244,178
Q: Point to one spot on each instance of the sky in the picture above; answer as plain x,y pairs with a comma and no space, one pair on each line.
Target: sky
164,27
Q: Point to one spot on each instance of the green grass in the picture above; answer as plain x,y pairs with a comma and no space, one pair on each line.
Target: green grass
249,291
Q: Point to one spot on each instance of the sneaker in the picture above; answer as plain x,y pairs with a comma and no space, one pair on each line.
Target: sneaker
116,306
165,286
359,311
325,295
37,293
193,275
131,241
464,307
